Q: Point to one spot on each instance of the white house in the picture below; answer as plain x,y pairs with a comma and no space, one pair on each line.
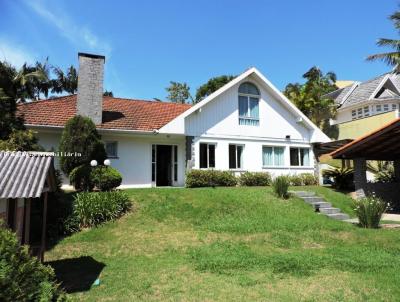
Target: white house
247,125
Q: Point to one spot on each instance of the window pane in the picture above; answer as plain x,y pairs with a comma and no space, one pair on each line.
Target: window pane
267,156
203,156
386,107
378,108
211,156
279,156
111,149
394,106
304,157
153,153
175,172
254,108
248,88
243,106
175,154
239,152
232,157
153,172
294,156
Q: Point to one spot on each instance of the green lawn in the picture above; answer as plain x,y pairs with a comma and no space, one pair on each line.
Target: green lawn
229,244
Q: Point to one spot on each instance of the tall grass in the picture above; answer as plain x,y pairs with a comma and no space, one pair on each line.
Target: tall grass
93,208
281,186
369,211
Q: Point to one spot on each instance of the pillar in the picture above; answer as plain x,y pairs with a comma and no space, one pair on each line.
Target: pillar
360,176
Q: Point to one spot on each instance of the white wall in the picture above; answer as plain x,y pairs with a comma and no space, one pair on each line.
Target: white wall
220,117
134,155
252,155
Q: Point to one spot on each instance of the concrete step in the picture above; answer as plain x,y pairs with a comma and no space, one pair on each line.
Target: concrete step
312,199
321,204
302,193
338,216
329,210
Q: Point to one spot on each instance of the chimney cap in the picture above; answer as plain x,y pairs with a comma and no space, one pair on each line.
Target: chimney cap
90,55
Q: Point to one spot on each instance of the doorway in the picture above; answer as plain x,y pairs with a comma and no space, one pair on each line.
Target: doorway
163,165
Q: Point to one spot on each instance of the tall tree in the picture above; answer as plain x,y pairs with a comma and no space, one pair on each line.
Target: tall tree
391,58
67,81
9,92
309,98
178,92
212,85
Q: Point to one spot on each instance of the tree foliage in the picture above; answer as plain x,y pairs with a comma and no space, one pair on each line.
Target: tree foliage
81,139
21,140
309,98
178,92
391,58
212,85
65,81
23,277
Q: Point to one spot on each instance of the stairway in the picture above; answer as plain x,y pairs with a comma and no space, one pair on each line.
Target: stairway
321,205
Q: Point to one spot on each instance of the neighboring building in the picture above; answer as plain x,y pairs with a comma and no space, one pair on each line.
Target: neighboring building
25,180
247,125
365,106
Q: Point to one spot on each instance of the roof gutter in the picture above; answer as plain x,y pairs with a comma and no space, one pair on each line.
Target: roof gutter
98,129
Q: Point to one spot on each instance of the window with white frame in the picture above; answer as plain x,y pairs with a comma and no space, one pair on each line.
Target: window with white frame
394,106
111,149
175,163
378,108
300,157
386,107
273,156
366,111
235,156
353,114
249,97
207,155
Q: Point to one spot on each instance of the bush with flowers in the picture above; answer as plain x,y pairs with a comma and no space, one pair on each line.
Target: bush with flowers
369,211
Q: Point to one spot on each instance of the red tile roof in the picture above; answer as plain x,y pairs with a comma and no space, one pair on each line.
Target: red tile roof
126,114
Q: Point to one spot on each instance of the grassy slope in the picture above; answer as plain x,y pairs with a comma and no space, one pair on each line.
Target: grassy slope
234,244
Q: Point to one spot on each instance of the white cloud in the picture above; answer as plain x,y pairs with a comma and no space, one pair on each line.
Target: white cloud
80,36
15,54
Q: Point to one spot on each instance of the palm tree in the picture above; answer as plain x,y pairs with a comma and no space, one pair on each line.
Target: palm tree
31,81
65,81
390,58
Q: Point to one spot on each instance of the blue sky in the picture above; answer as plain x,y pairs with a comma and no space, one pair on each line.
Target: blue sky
149,43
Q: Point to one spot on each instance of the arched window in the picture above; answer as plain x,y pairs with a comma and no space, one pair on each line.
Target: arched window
249,97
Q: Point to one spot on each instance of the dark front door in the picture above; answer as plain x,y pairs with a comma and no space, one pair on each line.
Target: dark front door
164,165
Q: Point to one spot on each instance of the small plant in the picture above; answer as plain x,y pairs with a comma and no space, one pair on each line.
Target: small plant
309,179
369,211
280,186
23,277
105,178
80,178
295,180
255,179
94,208
210,178
343,178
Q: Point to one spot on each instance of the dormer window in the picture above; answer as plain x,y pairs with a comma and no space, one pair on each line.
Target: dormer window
249,97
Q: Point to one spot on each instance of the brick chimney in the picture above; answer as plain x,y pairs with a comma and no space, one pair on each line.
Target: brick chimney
90,86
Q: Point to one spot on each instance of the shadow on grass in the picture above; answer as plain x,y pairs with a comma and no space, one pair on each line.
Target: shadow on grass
77,274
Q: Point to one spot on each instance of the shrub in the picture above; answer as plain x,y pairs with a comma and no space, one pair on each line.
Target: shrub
369,211
105,178
255,179
295,180
309,179
280,186
94,208
343,177
22,277
80,136
210,178
21,140
80,178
